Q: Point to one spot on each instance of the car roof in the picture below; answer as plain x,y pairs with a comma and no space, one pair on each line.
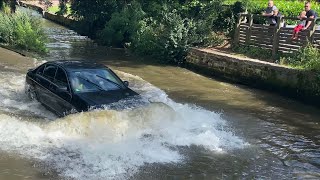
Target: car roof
70,65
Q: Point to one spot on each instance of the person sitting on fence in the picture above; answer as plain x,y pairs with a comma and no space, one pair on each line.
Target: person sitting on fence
310,14
271,12
300,25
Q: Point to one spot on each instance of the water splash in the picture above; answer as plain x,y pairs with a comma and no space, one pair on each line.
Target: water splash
106,143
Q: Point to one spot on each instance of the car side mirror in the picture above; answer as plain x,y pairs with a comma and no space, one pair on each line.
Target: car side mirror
126,83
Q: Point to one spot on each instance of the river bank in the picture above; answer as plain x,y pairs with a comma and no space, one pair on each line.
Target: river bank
291,82
62,20
14,60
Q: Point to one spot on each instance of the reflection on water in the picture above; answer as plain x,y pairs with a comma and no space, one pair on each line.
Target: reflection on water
239,134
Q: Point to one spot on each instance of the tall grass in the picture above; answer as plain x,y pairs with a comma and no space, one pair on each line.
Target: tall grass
22,30
306,58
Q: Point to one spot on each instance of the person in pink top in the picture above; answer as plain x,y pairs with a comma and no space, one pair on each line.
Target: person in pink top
300,25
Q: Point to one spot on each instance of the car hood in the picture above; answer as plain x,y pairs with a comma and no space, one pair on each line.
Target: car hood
96,99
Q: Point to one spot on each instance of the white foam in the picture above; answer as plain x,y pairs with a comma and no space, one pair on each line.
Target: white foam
109,144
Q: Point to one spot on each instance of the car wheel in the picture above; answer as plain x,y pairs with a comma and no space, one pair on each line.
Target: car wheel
31,92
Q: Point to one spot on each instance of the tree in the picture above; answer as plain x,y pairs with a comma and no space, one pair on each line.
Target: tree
95,14
12,4
63,9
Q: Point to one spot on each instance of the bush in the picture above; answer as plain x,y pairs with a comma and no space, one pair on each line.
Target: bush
166,40
227,18
23,31
122,26
169,38
161,31
307,58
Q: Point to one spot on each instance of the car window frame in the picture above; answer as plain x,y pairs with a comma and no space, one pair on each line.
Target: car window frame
42,75
67,78
38,69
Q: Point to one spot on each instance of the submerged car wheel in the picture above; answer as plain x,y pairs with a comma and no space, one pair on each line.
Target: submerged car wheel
31,92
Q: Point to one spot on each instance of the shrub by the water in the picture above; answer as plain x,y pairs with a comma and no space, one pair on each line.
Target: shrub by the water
22,30
307,58
159,29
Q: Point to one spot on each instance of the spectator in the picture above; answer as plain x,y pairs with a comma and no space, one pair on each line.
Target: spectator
310,14
300,26
271,12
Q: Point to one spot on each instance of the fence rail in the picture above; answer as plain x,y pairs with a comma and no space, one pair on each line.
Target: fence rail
275,38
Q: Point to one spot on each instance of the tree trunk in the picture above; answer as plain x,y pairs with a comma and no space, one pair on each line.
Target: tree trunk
12,4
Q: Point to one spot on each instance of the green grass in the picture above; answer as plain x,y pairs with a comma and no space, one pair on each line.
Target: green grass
55,9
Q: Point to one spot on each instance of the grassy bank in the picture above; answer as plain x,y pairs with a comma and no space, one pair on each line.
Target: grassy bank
22,30
307,58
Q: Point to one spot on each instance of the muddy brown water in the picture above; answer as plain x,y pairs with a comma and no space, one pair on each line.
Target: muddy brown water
198,127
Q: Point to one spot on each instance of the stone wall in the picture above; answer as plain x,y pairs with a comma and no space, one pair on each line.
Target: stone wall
301,84
59,19
62,20
31,6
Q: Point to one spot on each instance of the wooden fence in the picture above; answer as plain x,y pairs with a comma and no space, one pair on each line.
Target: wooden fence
275,38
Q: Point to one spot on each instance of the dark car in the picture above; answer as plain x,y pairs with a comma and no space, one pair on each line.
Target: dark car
75,86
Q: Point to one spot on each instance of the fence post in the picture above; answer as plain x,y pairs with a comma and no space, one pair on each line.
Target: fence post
248,35
276,34
312,30
237,30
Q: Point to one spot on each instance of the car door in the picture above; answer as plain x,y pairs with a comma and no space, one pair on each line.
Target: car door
45,80
39,89
61,88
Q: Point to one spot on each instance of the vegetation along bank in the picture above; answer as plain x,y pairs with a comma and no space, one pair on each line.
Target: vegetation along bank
20,30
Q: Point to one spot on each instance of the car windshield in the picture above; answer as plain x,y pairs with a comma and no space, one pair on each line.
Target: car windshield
91,80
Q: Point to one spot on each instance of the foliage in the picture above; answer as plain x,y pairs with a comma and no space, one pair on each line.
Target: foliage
254,52
95,14
22,30
307,58
161,29
166,40
227,18
169,39
122,26
46,3
57,10
6,9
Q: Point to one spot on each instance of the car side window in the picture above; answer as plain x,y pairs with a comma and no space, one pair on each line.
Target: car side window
61,78
49,72
40,70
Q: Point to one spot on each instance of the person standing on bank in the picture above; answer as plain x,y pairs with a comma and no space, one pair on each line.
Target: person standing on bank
310,14
271,12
